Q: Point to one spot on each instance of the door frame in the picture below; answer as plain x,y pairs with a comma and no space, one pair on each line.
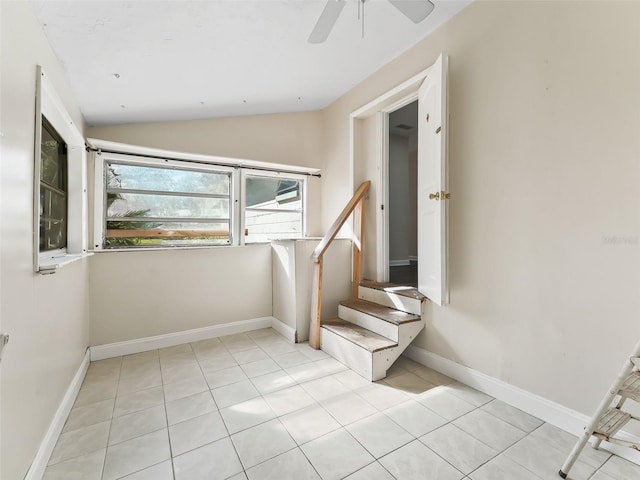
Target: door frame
394,99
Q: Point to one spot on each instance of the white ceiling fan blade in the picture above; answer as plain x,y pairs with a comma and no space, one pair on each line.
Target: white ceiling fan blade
414,10
326,21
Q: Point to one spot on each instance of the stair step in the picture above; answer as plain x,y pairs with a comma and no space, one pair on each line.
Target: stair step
391,295
631,387
372,342
391,315
404,290
612,421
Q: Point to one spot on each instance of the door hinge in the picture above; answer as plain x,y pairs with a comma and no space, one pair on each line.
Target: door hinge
381,207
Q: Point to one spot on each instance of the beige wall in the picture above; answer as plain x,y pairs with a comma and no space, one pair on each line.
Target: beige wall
290,138
545,256
46,316
141,294
292,274
226,284
544,173
287,138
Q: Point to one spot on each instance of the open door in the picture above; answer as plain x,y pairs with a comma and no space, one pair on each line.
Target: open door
432,184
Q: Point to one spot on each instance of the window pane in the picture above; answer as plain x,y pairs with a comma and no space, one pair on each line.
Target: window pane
123,233
183,206
136,177
273,193
273,209
53,235
53,159
53,205
266,226
53,188
147,205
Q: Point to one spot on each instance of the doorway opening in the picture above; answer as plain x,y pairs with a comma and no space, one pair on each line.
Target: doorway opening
369,137
403,202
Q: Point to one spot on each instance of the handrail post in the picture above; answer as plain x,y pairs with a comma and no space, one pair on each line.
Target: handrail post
358,240
316,305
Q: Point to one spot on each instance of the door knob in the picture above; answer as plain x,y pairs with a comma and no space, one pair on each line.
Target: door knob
434,196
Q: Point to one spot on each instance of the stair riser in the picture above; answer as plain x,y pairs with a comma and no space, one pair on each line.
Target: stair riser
372,366
408,332
392,300
364,320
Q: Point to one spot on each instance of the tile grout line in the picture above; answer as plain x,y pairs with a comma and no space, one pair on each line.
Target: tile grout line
221,417
115,400
277,418
325,374
166,415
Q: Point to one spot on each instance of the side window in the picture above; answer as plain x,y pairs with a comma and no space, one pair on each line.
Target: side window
53,190
59,183
273,207
153,205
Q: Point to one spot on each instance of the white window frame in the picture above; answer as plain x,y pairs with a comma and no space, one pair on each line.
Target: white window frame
152,157
246,172
49,105
103,158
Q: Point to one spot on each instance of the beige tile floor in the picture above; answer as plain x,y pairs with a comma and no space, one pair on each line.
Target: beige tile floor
254,406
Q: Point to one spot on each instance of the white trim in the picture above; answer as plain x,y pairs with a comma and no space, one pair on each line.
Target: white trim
52,264
231,162
394,99
237,213
49,105
382,197
399,263
145,344
39,464
413,258
283,329
247,172
99,201
551,412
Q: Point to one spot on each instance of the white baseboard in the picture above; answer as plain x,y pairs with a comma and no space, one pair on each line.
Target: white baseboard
399,263
551,412
39,464
100,352
283,329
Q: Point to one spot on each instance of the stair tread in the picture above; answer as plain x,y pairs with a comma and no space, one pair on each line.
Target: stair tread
612,421
404,290
387,314
631,386
362,337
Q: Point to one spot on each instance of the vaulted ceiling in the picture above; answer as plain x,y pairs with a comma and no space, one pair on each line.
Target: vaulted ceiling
140,61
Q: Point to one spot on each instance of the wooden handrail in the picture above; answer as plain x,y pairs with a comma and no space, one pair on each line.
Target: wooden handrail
355,206
340,221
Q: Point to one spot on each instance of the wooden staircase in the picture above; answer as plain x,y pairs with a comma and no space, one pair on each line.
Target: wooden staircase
380,320
372,331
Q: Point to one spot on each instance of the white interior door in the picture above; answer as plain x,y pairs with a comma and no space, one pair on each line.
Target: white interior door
432,184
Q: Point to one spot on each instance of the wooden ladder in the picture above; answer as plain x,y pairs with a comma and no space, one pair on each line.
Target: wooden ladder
609,417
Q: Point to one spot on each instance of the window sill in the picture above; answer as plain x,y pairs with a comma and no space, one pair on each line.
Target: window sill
48,266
